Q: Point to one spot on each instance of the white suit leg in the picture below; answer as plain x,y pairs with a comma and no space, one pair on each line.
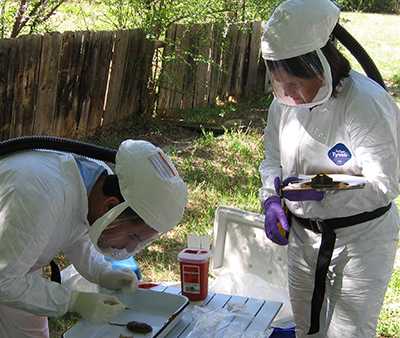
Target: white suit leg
356,282
16,323
302,259
358,288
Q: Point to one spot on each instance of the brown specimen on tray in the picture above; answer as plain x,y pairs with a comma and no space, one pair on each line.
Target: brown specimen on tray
134,326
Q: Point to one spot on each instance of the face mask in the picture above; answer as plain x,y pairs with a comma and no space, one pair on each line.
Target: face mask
121,254
118,254
100,225
300,90
142,245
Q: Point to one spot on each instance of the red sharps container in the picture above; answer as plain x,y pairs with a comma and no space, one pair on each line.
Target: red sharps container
194,273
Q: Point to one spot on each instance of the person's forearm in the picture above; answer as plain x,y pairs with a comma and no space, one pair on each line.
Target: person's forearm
87,261
34,294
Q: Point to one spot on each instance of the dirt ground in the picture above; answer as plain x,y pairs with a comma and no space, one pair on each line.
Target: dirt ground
179,132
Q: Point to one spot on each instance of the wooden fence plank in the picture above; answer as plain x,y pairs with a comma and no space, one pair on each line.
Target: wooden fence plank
228,62
15,78
185,69
117,72
204,34
103,48
215,69
254,59
154,75
47,85
138,68
65,122
129,79
11,78
25,86
176,71
145,88
135,78
84,83
163,90
32,53
240,63
5,101
94,81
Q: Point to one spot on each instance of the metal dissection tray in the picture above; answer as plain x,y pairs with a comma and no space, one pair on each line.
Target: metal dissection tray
159,309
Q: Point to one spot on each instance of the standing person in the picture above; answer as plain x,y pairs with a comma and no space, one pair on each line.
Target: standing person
327,118
52,202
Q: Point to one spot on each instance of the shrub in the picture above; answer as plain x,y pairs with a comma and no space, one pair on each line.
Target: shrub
374,6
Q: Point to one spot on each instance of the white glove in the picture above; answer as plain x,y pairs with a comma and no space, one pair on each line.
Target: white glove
123,279
95,307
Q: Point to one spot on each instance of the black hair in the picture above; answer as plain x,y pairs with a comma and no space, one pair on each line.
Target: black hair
132,215
340,66
111,187
296,66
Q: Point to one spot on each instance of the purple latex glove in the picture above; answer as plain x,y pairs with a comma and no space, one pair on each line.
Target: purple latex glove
303,195
275,218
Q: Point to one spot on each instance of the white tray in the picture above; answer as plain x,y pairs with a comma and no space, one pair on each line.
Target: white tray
158,309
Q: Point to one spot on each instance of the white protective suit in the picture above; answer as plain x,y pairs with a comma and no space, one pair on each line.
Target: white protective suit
43,210
355,133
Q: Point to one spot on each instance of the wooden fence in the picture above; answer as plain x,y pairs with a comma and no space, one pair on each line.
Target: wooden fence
73,83
210,62
70,84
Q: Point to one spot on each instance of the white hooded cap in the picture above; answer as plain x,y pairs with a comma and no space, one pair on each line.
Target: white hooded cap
150,184
298,27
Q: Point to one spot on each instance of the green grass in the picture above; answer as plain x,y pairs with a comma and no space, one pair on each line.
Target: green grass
389,320
229,114
379,35
210,168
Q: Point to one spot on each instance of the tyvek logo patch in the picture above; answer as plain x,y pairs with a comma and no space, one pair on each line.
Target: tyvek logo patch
339,154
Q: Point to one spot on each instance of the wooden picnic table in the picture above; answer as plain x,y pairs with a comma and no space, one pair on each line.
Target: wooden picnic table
263,312
258,316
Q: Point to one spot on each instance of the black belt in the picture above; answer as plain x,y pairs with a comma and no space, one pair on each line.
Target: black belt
326,228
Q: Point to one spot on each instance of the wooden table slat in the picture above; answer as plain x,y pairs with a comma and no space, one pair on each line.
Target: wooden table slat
159,287
173,289
252,307
235,300
216,302
246,314
208,298
256,314
265,316
185,325
182,325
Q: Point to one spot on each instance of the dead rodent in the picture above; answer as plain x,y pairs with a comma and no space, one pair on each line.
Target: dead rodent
322,180
135,327
139,327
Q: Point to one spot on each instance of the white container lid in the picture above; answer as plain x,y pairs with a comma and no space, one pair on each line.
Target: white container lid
190,254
